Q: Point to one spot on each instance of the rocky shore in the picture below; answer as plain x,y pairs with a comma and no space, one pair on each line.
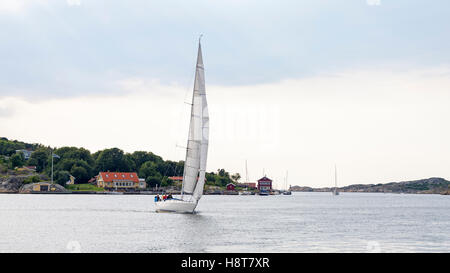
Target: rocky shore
11,184
434,185
19,184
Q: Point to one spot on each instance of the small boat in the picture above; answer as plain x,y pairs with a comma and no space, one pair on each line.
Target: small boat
263,193
288,190
196,151
245,193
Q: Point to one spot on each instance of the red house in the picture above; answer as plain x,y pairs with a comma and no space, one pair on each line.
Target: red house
264,184
176,178
249,185
231,187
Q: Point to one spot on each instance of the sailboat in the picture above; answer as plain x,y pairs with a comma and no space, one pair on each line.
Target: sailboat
246,192
287,191
335,192
196,151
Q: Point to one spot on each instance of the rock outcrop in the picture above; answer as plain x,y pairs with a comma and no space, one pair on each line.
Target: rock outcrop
11,184
29,188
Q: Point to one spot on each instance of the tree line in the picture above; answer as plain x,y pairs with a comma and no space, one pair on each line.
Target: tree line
83,165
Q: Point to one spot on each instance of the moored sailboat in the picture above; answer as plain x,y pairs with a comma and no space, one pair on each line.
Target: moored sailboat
335,191
196,151
287,190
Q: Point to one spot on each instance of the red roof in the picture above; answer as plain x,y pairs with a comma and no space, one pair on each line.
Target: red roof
117,176
176,178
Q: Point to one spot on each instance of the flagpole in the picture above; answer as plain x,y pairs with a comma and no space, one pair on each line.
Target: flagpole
52,166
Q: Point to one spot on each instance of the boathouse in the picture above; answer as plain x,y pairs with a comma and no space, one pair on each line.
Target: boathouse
231,187
264,184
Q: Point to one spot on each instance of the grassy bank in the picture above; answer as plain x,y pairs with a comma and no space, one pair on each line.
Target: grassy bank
83,187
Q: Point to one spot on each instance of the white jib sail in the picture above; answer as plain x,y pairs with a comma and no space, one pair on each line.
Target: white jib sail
197,146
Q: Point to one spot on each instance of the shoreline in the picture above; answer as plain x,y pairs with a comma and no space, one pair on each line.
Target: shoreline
155,193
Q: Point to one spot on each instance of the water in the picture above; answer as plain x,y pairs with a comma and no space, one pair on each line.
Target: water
302,222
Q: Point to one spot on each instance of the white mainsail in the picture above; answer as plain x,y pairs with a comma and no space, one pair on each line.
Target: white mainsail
197,146
197,149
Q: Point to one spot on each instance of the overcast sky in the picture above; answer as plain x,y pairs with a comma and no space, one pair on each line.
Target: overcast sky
292,85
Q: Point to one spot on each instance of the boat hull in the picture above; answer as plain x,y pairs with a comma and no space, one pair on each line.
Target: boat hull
177,206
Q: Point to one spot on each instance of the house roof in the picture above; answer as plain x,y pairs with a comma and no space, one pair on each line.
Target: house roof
93,179
265,179
116,176
231,184
175,178
178,178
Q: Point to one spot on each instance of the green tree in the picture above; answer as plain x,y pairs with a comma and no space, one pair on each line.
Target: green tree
235,177
61,177
68,164
148,169
152,181
113,160
75,153
81,174
140,157
40,158
17,160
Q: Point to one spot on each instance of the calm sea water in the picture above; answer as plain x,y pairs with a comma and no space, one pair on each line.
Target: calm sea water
302,222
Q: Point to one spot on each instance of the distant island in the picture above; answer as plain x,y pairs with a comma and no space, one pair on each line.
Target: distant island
434,185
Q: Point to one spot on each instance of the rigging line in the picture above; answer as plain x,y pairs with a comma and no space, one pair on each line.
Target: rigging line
188,87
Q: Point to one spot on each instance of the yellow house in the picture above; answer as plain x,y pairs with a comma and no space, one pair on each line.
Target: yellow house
118,180
71,180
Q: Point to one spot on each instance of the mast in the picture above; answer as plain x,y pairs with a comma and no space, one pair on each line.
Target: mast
286,179
335,178
246,172
52,166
